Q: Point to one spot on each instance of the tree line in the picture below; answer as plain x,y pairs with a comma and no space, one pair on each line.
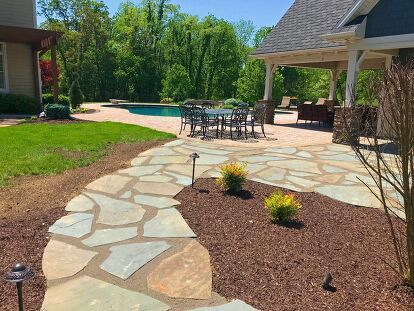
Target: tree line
150,50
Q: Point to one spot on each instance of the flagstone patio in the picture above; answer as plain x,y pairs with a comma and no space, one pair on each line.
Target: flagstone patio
125,247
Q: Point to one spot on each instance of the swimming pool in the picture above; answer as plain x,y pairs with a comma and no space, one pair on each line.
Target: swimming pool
157,111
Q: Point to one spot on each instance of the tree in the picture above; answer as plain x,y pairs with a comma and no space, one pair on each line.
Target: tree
75,94
177,84
390,161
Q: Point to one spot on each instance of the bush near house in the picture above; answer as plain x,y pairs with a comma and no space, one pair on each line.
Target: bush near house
19,104
49,99
57,112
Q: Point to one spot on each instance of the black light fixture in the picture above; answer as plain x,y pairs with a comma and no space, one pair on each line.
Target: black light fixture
18,274
326,285
194,156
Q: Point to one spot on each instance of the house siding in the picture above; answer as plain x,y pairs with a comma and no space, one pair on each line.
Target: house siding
391,17
20,69
20,13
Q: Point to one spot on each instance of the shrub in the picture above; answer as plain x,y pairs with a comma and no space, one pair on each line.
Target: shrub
48,99
76,95
282,208
232,102
57,112
166,101
233,176
21,104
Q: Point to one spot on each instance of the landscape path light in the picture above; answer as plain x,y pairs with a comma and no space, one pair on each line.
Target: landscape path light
18,274
194,156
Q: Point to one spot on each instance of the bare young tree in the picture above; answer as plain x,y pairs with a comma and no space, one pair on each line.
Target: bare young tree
387,153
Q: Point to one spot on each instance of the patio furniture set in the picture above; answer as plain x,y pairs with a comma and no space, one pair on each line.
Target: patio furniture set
202,118
322,112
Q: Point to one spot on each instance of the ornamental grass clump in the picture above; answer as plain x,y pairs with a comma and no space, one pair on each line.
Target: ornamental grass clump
233,176
282,208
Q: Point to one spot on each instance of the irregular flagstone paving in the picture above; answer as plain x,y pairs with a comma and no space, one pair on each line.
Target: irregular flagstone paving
61,260
186,274
109,236
168,223
74,225
124,242
116,212
125,260
86,293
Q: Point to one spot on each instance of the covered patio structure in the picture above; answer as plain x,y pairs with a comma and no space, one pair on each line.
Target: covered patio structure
338,35
40,41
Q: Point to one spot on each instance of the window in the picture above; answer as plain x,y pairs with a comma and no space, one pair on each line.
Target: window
3,84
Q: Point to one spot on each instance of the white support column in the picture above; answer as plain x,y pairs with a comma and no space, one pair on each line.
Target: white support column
354,62
334,83
388,62
270,68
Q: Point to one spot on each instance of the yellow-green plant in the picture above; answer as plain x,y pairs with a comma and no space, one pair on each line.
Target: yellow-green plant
282,208
233,176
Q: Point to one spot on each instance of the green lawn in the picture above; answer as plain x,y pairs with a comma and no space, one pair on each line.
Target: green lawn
42,149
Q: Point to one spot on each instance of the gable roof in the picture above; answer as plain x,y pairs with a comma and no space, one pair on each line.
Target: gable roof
303,24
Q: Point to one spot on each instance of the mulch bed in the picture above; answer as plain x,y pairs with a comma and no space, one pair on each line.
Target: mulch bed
32,204
274,267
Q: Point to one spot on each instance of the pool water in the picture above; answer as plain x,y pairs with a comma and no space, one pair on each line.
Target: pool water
157,111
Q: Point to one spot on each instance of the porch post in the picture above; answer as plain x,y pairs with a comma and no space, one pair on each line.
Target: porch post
268,95
36,73
352,76
55,73
334,83
270,68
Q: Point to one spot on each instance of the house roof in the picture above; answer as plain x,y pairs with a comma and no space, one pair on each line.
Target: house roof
303,24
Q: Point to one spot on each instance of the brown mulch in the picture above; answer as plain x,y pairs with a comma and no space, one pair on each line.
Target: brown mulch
275,267
32,204
50,121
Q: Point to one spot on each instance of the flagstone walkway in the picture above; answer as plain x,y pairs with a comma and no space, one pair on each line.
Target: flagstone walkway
124,245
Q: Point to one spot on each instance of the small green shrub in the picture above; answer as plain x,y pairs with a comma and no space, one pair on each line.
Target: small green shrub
48,99
233,176
166,101
282,208
57,112
20,104
76,95
228,107
232,102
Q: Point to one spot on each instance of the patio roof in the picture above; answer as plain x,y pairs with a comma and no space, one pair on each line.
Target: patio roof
40,39
303,24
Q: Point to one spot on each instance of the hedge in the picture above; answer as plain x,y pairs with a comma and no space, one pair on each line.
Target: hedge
57,112
20,104
48,99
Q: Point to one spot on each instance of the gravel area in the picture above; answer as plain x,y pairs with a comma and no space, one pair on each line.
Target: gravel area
281,268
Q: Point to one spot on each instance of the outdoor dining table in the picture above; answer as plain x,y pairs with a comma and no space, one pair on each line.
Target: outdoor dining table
219,113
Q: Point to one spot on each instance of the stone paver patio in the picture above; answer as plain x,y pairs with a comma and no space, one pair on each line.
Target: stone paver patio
284,133
124,245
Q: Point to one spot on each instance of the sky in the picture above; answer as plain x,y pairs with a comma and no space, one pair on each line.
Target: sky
260,12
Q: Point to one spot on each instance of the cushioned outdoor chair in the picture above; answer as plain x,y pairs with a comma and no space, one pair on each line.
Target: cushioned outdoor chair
258,119
320,114
305,113
286,103
321,101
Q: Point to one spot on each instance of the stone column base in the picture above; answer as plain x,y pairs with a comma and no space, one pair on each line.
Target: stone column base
270,110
